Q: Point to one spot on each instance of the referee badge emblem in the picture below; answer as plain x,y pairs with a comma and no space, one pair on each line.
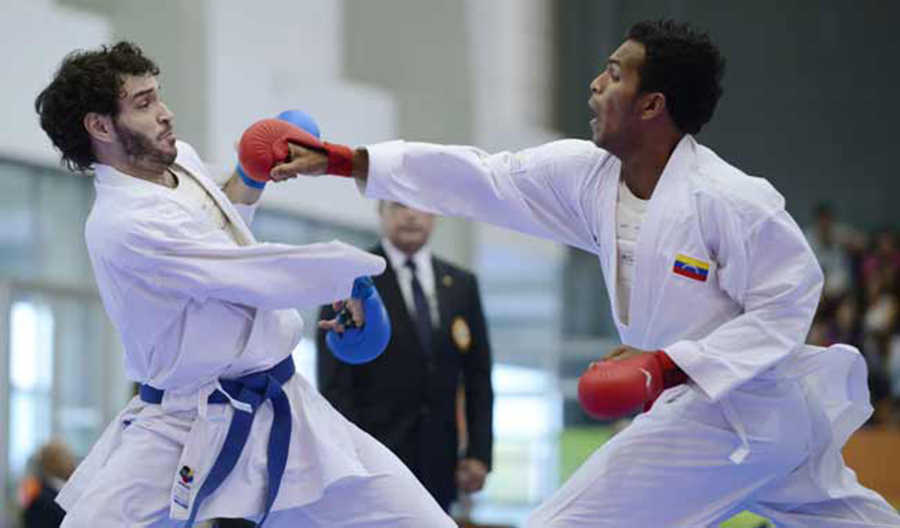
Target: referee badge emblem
462,336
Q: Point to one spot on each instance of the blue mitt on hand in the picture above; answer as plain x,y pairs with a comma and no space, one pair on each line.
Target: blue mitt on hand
361,345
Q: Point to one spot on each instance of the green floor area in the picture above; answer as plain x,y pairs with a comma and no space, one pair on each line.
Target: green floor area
745,520
577,444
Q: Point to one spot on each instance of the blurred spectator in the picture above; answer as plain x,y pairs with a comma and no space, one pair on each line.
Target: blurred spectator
845,327
893,373
834,243
884,259
880,315
879,323
861,304
839,323
51,467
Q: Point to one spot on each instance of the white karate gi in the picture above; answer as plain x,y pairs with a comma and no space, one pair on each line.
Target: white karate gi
762,421
192,306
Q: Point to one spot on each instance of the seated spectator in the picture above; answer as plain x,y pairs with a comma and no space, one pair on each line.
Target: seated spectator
879,325
893,372
834,244
884,258
52,466
880,317
839,324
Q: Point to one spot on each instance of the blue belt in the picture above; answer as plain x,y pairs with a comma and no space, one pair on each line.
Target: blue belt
254,390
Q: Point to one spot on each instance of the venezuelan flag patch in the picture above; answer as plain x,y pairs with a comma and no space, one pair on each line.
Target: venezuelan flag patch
691,268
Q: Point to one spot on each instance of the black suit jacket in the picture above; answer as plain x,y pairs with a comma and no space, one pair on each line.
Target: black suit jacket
43,512
406,398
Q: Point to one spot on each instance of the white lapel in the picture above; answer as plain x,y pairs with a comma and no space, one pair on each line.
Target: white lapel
606,212
107,175
243,232
664,213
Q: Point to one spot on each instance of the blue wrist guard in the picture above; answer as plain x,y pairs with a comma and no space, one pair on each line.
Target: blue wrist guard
248,181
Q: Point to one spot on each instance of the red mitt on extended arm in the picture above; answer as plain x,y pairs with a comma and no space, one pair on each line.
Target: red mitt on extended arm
265,144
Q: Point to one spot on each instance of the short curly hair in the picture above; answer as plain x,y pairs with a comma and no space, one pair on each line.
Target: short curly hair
684,65
87,81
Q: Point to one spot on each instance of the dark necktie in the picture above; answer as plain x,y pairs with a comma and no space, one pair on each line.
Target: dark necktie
423,312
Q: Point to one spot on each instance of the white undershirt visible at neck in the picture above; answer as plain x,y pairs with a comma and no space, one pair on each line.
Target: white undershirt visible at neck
630,212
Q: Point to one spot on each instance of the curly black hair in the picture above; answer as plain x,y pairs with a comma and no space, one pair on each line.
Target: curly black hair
684,65
87,81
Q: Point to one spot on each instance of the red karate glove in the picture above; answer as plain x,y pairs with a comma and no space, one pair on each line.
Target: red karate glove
265,144
613,388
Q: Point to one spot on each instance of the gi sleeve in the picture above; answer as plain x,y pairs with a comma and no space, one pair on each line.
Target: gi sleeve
771,272
246,211
171,252
536,191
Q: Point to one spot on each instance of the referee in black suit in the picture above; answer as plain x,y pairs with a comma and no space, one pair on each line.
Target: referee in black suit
406,398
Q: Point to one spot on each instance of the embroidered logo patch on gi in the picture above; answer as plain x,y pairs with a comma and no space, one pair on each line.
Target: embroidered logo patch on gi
186,474
691,268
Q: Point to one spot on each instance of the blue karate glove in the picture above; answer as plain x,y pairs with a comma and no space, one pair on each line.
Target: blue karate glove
300,119
361,345
297,118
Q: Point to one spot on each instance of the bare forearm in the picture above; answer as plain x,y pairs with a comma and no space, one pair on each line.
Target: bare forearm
361,164
239,193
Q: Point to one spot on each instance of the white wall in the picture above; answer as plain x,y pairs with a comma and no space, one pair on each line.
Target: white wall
510,53
37,34
172,33
472,72
289,55
227,63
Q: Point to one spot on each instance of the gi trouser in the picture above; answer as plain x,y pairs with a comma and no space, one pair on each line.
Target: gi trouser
675,467
133,486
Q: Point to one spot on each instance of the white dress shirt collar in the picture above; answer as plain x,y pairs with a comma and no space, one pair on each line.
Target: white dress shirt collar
421,258
424,272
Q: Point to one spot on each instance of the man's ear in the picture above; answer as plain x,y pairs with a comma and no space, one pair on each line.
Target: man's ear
99,127
653,104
